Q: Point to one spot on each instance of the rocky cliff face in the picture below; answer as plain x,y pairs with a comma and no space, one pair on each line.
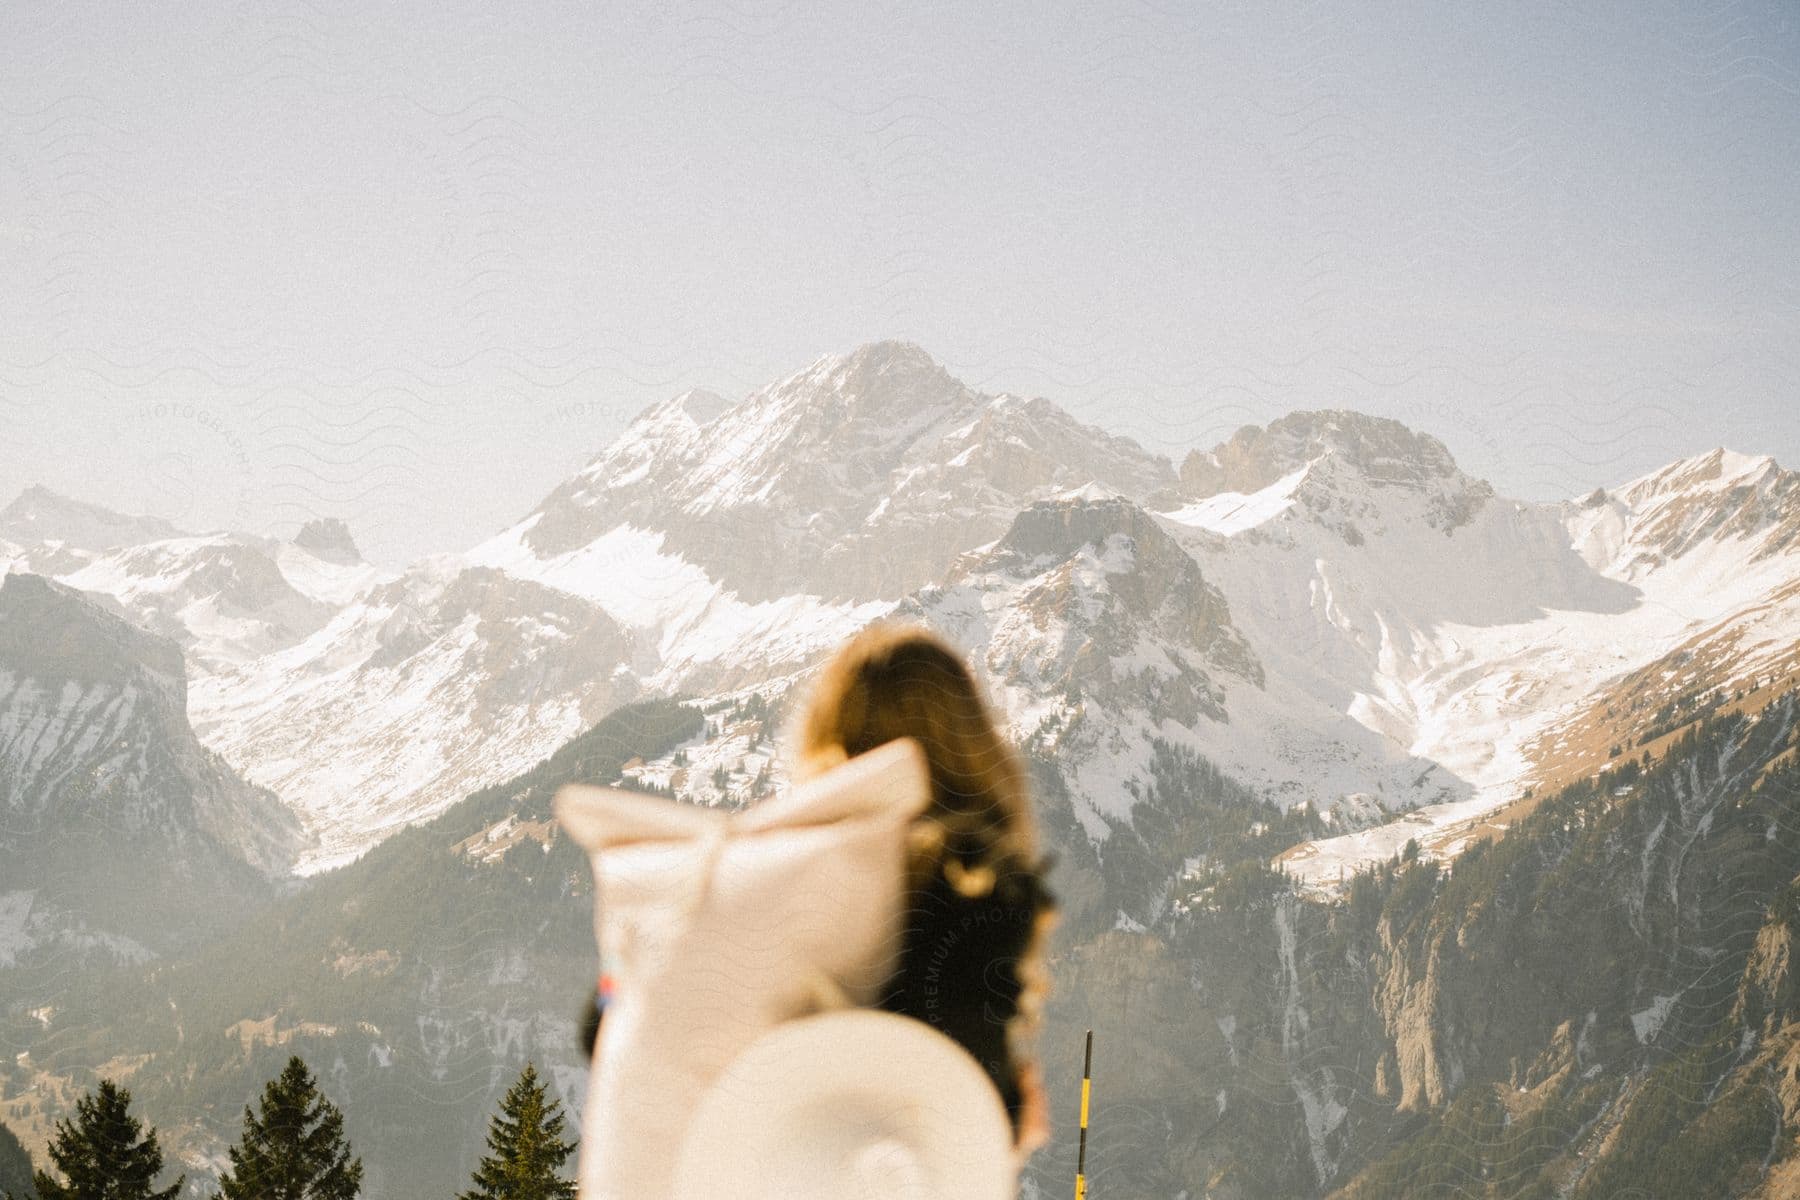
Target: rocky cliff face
1599,1004
97,728
1629,936
114,812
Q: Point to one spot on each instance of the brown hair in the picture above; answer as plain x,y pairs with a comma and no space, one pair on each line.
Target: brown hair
900,681
977,838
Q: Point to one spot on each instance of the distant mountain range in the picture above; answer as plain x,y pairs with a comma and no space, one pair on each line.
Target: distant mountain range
1328,608
1318,649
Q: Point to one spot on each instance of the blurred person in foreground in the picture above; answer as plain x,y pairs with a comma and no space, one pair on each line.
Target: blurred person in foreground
832,992
977,906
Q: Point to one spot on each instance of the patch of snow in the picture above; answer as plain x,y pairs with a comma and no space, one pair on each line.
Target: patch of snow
1231,513
1648,1022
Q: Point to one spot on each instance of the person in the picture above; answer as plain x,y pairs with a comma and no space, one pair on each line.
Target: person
830,992
977,905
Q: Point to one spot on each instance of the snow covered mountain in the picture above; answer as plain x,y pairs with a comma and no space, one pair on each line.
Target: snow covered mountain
225,598
863,476
711,548
1328,608
50,534
94,717
1507,665
1402,639
418,692
1102,635
116,820
1384,583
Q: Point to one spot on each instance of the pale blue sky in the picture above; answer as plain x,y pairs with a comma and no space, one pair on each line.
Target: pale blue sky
410,265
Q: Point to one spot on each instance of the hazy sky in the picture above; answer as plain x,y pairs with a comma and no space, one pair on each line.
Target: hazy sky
411,265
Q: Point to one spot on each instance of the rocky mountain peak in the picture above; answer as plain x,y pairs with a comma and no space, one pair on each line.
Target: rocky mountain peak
1106,606
695,408
1717,495
1378,448
1717,470
874,363
863,475
328,539
882,383
38,516
1086,518
1147,569
1335,465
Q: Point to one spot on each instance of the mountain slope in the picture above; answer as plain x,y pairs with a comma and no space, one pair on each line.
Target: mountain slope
99,769
1314,626
1677,587
417,981
1610,982
49,534
1598,1005
438,681
1100,636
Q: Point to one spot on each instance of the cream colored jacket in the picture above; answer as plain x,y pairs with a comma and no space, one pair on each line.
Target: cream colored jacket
732,1054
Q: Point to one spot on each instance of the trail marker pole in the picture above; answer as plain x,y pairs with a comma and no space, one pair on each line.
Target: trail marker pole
1087,1074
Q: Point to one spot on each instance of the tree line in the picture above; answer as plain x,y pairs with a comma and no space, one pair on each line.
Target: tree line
293,1148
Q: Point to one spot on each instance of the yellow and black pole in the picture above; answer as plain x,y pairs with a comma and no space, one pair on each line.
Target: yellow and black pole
1087,1076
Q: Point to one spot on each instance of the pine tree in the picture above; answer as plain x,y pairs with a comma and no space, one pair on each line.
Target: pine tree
100,1153
15,1168
525,1148
295,1150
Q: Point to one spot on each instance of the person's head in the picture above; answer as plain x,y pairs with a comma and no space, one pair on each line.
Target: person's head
895,681
899,681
